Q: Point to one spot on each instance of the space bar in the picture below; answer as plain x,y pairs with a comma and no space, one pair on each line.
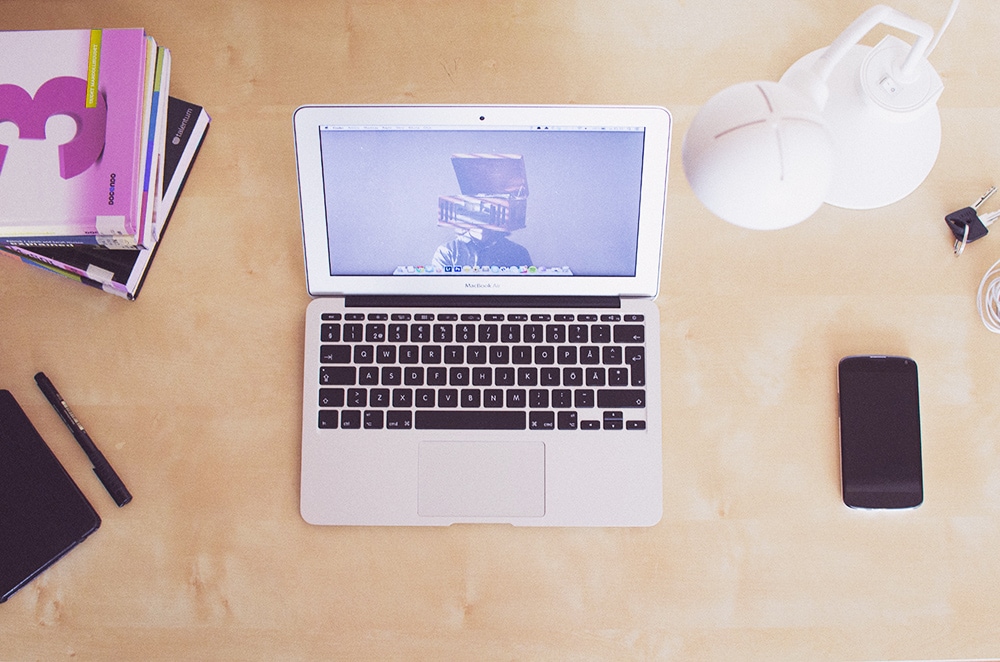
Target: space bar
470,420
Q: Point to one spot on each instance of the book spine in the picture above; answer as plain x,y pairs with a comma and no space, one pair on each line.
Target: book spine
108,241
110,288
150,157
153,193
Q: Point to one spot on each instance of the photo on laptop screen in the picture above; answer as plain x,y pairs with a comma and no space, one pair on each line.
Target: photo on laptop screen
518,201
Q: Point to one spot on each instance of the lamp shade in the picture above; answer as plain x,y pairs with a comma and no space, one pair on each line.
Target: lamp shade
855,126
757,154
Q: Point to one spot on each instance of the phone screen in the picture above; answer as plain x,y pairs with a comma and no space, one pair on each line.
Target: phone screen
880,432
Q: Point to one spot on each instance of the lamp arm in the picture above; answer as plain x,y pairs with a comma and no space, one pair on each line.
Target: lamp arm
862,25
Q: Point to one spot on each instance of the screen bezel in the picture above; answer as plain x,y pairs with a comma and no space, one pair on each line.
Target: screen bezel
656,151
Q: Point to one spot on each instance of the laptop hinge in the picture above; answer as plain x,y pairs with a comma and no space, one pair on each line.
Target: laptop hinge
426,301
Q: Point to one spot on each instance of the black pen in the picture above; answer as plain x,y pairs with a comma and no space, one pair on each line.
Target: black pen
112,483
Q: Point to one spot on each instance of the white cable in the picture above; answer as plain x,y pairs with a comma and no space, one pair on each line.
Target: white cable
944,26
988,298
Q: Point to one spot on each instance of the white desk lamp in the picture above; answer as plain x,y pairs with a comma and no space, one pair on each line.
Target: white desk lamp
855,126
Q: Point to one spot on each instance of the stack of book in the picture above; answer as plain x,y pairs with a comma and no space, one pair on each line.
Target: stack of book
93,152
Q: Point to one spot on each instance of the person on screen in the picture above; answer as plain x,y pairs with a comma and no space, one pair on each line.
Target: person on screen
480,247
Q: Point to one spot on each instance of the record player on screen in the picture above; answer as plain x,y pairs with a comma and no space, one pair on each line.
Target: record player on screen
494,193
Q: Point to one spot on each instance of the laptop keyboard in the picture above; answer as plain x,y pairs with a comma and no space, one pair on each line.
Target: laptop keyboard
493,371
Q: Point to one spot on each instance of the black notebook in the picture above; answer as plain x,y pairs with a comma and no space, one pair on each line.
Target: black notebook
43,514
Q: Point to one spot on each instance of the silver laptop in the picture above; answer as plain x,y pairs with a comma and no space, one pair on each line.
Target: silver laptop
483,345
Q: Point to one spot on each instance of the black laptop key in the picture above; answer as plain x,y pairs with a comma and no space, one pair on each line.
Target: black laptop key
621,398
447,397
504,377
392,376
488,333
414,376
516,398
470,397
335,354
618,377
368,375
595,377
533,333
327,419
430,354
567,420
397,333
420,332
357,397
454,354
373,420
459,419
409,354
338,375
636,357
590,355
398,420
542,420
521,354
538,398
572,376
350,419
476,355
331,397
437,376
402,397
614,420
630,333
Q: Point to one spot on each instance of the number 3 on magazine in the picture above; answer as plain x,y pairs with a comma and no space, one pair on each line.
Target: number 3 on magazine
65,95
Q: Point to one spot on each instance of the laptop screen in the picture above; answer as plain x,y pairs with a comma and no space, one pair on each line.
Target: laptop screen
482,200
513,201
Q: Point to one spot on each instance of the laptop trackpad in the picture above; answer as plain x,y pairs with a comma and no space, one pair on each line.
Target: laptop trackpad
481,479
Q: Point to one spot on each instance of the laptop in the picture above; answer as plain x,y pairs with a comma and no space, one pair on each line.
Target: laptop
483,343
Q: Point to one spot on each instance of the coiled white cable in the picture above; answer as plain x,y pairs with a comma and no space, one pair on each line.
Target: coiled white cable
988,298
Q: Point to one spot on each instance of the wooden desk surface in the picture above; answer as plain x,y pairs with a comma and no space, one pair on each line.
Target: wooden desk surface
194,389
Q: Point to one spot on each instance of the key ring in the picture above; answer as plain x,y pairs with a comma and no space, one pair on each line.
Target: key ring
961,243
967,225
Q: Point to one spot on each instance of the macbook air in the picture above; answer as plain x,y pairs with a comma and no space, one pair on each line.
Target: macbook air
483,343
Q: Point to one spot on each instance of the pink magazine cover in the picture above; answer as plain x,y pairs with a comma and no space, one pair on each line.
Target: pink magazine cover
71,113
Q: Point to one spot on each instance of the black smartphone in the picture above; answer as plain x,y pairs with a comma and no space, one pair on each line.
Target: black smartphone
880,460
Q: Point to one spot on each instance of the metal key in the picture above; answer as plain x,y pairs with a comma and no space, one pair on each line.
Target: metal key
967,225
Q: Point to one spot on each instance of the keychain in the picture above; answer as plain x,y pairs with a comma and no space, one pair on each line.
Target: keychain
967,225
